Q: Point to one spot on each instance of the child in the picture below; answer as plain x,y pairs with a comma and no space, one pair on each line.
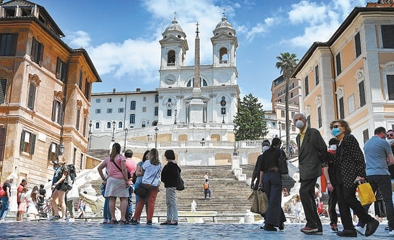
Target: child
32,203
22,206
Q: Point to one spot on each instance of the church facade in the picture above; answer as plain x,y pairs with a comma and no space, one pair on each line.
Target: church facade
192,110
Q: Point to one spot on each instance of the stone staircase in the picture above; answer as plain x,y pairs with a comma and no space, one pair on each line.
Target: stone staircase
229,196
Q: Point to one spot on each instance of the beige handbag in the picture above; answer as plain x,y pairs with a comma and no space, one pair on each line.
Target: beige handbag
259,202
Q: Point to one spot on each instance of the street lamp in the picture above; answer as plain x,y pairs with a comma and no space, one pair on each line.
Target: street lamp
90,134
113,131
280,129
223,104
202,142
156,131
235,140
125,138
175,116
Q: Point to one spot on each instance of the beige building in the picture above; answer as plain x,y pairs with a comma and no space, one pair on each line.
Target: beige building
351,76
278,89
44,94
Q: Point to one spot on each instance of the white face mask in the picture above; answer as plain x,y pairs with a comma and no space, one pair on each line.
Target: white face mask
300,124
333,147
265,148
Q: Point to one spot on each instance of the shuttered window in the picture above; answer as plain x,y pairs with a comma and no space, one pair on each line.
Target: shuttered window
3,136
32,97
8,44
388,36
28,141
3,90
37,51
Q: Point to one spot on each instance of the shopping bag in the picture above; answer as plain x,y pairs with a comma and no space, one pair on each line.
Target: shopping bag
259,202
366,194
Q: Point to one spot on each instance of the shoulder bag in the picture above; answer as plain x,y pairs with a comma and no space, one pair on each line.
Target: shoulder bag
142,190
127,171
283,163
180,185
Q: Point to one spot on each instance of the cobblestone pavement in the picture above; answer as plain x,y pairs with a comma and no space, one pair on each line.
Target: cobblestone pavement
96,230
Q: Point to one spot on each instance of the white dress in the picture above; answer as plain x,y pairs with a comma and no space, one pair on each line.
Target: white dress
31,206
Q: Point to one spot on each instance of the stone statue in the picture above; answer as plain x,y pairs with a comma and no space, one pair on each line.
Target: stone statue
193,206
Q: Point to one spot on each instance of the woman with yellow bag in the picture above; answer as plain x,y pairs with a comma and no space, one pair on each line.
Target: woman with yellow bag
349,166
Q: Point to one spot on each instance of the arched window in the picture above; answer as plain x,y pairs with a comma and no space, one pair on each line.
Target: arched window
203,83
171,58
223,55
97,125
109,125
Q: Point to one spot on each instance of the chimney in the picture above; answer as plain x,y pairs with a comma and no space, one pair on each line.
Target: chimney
114,90
138,89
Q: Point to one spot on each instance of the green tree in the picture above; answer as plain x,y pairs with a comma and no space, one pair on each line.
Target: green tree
287,63
249,120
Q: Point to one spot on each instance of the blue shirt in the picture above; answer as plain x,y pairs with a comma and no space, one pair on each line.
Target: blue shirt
376,151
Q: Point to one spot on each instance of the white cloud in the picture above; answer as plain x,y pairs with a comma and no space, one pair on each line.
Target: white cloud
307,12
319,20
78,39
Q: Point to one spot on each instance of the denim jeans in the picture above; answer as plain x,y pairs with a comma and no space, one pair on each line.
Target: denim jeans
107,214
172,208
129,211
272,185
4,208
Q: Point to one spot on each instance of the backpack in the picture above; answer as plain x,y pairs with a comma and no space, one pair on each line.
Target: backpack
72,172
2,192
206,186
69,181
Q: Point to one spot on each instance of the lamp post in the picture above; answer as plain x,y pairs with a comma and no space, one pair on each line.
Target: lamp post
223,104
113,131
90,135
235,141
176,111
280,129
156,131
125,138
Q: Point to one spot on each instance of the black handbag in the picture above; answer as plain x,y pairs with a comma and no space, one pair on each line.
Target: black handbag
283,163
142,191
180,185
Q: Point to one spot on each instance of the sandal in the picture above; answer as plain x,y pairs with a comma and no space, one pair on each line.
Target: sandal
114,222
173,223
122,222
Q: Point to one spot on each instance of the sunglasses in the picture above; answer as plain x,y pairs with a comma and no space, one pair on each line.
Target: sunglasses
336,126
390,134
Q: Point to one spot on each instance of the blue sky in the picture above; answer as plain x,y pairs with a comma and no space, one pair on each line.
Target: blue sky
121,36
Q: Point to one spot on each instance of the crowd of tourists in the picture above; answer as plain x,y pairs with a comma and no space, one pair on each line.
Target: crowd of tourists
122,177
343,166
35,204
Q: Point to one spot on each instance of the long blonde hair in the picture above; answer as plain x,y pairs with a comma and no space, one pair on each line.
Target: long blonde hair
154,156
115,151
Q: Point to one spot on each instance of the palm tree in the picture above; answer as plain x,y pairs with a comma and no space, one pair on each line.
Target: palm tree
287,63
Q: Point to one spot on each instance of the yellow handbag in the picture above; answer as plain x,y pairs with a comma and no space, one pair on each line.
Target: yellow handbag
365,193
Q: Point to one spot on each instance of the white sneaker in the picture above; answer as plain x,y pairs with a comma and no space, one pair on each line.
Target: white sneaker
71,220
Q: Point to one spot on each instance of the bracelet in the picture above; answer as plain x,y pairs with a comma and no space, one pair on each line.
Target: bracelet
328,182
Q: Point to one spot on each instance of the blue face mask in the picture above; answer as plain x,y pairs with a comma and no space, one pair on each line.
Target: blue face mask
335,131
